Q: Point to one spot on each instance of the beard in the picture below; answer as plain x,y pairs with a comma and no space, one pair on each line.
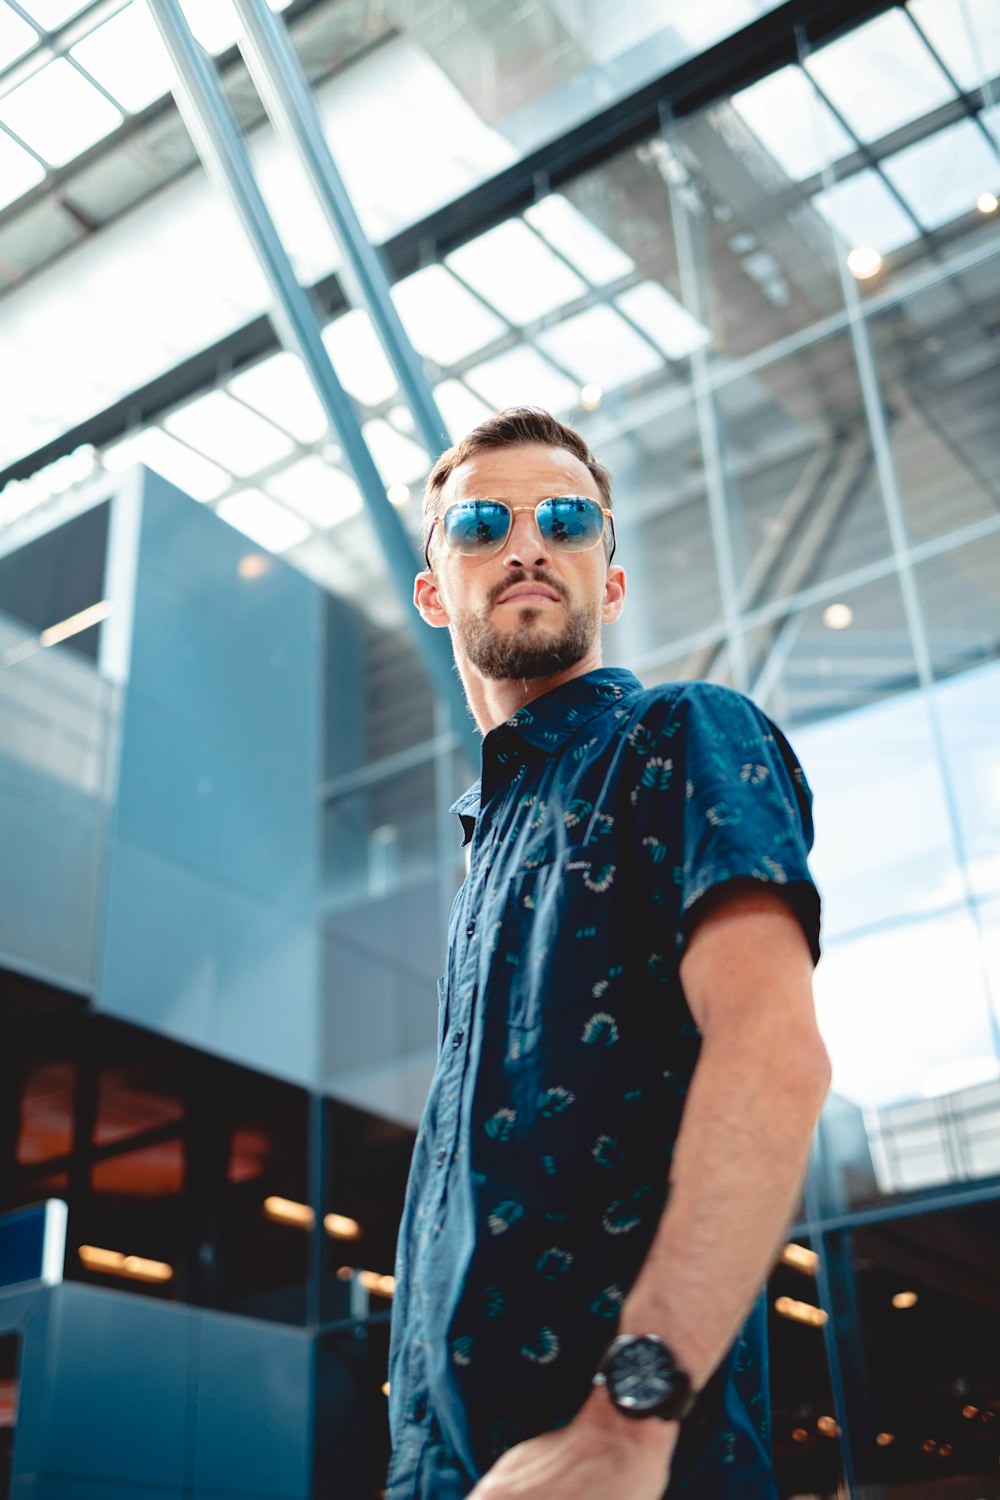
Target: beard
531,649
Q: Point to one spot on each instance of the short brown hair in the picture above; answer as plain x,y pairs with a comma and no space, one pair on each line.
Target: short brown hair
512,428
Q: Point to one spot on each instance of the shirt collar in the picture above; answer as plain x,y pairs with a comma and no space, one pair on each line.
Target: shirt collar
547,724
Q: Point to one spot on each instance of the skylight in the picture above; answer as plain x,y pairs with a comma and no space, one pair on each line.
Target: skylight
460,408
58,113
442,317
789,118
942,176
584,245
966,34
16,37
662,318
863,212
19,170
398,460
228,433
127,57
598,345
521,377
515,271
319,491
280,389
359,358
270,525
880,76
196,476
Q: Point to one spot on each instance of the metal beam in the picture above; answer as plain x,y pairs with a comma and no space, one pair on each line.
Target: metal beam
216,136
279,79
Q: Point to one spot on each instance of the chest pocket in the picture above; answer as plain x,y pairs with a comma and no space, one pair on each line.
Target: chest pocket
545,950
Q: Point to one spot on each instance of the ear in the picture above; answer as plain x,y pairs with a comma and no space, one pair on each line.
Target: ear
428,600
614,594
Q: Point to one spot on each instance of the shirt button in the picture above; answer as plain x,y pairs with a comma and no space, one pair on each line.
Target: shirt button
471,927
440,1159
456,1040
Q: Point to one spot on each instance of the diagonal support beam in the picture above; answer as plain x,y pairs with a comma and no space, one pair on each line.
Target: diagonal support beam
215,133
284,90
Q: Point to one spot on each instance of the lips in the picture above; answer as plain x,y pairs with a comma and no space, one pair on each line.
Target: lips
528,591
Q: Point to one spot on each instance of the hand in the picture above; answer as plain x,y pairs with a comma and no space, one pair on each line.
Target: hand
600,1455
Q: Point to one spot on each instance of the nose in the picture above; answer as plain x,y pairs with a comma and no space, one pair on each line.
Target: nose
525,547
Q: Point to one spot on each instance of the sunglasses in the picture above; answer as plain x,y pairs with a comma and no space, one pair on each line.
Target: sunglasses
567,523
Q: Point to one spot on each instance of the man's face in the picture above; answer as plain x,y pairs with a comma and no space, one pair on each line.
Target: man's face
529,609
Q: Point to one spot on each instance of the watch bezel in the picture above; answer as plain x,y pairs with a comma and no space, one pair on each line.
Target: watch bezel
677,1401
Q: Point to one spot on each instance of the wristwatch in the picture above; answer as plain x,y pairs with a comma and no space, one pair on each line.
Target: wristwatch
644,1380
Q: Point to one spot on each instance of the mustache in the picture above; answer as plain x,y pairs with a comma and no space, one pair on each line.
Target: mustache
527,575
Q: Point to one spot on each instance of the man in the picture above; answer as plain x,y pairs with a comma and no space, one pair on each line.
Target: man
627,1009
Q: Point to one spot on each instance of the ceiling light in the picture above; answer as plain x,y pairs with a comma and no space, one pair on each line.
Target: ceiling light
885,1438
444,320
578,240
799,1435
864,262
340,1227
969,1412
801,1257
591,397
317,490
382,1286
83,620
929,1445
385,1387
838,616
253,566
398,494
287,1211
988,203
279,389
828,1427
344,1273
800,1312
516,272
905,1299
114,1263
945,1450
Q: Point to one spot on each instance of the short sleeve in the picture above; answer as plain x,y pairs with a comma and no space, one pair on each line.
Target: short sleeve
747,807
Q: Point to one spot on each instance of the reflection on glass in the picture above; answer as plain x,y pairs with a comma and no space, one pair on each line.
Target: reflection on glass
960,595
969,715
806,1451
880,75
929,1326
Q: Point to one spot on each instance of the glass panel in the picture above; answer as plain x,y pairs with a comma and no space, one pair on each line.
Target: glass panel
804,497
10,1360
925,1313
884,845
938,370
880,76
381,836
834,656
46,1128
960,595
351,1411
804,1442
969,716
58,113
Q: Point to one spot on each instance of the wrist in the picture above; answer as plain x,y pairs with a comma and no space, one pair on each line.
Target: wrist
635,1434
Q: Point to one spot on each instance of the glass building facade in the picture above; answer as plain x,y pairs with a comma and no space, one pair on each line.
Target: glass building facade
753,255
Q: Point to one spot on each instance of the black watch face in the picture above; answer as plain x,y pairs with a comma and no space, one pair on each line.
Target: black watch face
641,1375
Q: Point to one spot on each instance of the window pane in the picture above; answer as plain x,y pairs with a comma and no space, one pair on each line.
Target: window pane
805,1445
960,595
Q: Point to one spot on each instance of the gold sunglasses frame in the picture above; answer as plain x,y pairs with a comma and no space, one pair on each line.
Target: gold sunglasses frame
513,510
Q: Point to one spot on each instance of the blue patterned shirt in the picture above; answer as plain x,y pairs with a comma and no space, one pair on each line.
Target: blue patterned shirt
604,813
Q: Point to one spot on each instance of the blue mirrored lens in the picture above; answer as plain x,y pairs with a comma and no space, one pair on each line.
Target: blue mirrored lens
571,521
476,525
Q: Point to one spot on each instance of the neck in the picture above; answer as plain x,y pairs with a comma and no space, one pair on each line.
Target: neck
493,701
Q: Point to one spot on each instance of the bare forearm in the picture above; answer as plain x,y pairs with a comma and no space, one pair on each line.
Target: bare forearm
737,1170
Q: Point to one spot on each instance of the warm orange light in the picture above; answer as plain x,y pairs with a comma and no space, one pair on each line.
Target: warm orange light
800,1312
341,1227
385,1387
945,1450
885,1438
828,1427
905,1299
929,1445
344,1273
383,1286
801,1257
253,566
114,1263
287,1211
799,1435
863,262
970,1412
988,203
